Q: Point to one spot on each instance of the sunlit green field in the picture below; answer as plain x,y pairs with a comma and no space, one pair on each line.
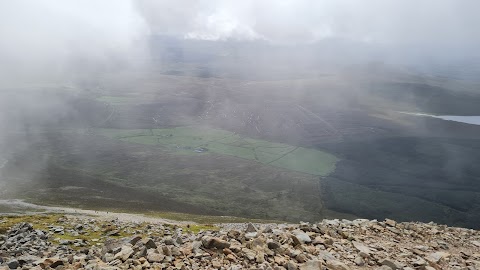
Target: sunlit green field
203,141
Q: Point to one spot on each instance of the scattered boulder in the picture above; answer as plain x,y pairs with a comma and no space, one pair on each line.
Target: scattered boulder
312,265
361,247
435,257
155,257
215,243
390,222
148,243
336,265
273,245
300,237
51,262
359,261
124,253
390,263
476,243
336,245
251,228
13,264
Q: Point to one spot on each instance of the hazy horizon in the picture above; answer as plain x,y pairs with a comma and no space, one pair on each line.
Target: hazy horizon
285,110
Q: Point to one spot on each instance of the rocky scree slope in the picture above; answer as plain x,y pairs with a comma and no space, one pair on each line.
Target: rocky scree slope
85,243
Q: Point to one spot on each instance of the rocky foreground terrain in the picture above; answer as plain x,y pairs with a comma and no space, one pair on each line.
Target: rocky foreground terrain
69,242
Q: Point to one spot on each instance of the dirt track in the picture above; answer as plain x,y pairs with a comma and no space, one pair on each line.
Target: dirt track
19,204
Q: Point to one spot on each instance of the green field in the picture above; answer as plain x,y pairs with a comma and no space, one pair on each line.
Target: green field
202,141
307,160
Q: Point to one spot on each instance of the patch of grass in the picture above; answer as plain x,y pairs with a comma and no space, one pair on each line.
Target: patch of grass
225,149
269,147
208,134
149,140
358,200
309,161
194,228
205,220
123,133
187,140
230,139
265,157
40,221
88,235
139,177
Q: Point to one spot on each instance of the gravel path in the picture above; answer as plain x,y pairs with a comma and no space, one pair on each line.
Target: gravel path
126,217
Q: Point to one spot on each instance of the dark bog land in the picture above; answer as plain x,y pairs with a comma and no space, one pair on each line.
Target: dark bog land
301,149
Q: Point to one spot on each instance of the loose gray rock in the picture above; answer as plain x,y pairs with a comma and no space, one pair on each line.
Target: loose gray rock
13,264
435,257
392,264
155,257
250,228
359,261
337,265
337,244
361,247
215,243
312,265
300,237
124,253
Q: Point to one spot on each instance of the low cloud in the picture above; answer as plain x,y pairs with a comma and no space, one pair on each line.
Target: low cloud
389,22
45,37
51,37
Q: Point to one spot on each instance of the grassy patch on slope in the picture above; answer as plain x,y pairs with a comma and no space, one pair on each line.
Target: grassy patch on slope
197,141
308,160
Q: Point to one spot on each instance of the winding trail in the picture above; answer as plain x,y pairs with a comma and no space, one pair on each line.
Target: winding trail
330,126
104,215
112,112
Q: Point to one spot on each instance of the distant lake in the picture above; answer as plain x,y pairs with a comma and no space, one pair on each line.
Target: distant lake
474,120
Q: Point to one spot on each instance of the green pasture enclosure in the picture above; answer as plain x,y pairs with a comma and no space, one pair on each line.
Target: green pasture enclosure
308,161
123,133
202,140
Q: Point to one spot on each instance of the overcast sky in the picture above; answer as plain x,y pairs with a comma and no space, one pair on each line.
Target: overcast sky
36,33
385,21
